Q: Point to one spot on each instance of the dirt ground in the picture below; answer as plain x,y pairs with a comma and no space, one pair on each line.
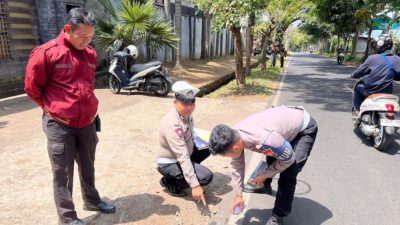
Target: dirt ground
125,160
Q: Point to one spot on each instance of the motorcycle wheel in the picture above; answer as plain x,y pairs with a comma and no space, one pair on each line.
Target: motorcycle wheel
164,89
382,140
339,61
114,84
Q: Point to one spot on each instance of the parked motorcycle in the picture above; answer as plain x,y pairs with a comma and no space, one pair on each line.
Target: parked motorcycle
340,58
150,77
378,118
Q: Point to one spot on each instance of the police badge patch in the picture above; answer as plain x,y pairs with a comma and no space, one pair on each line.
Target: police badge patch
179,132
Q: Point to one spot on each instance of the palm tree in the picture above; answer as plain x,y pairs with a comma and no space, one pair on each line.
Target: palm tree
135,23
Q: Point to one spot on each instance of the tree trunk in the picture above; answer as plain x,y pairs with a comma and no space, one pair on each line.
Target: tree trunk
178,20
232,47
249,36
221,44
194,33
207,35
264,43
227,44
190,39
167,17
240,78
345,43
217,44
204,36
366,53
211,46
249,41
355,41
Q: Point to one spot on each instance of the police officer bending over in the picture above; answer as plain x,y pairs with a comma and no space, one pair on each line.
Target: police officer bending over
178,158
285,134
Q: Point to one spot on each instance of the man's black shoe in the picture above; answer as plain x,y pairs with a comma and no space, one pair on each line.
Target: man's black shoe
102,207
262,189
172,189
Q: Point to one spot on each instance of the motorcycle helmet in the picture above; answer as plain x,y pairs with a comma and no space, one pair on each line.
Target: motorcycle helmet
132,50
383,42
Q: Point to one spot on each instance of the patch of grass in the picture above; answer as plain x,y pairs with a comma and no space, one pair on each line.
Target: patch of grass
259,83
329,54
355,59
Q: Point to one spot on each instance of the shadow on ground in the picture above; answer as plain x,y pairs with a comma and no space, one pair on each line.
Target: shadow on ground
17,107
128,210
392,149
304,211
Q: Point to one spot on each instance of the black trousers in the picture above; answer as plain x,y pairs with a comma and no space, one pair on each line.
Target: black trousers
173,171
302,145
66,145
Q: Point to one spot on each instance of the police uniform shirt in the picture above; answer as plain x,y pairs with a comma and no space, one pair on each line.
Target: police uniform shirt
269,132
176,142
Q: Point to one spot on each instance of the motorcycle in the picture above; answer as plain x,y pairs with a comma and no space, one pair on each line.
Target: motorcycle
150,77
340,58
378,118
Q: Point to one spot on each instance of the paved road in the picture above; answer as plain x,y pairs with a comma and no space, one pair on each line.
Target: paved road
345,181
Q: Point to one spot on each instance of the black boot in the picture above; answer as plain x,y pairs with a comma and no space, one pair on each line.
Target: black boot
262,189
172,188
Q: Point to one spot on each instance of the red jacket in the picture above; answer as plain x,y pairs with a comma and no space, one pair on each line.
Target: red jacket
60,79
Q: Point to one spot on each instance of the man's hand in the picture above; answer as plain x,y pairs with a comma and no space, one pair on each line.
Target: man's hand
238,201
260,180
198,194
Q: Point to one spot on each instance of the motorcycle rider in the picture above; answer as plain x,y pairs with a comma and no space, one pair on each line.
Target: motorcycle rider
377,73
340,49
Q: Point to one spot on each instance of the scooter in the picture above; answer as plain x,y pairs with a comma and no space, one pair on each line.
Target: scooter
340,58
150,77
378,118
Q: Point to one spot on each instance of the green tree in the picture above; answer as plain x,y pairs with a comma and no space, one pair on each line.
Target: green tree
227,14
133,22
299,39
167,17
279,15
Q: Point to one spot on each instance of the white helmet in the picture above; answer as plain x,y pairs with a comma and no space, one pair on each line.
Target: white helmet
132,50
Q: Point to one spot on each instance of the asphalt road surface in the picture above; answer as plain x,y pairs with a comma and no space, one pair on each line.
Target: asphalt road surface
345,181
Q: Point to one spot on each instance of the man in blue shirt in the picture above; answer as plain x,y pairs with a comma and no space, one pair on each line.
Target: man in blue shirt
377,73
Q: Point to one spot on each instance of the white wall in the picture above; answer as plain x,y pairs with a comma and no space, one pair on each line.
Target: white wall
185,41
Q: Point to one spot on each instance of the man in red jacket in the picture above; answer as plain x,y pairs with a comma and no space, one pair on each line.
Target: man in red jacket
60,79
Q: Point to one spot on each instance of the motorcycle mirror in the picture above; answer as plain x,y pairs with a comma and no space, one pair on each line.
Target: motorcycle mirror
116,45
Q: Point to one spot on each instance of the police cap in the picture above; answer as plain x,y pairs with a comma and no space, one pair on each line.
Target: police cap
185,90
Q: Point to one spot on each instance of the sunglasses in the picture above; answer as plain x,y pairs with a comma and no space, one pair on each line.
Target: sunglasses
184,100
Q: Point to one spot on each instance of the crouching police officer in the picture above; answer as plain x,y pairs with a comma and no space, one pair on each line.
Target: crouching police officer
178,158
